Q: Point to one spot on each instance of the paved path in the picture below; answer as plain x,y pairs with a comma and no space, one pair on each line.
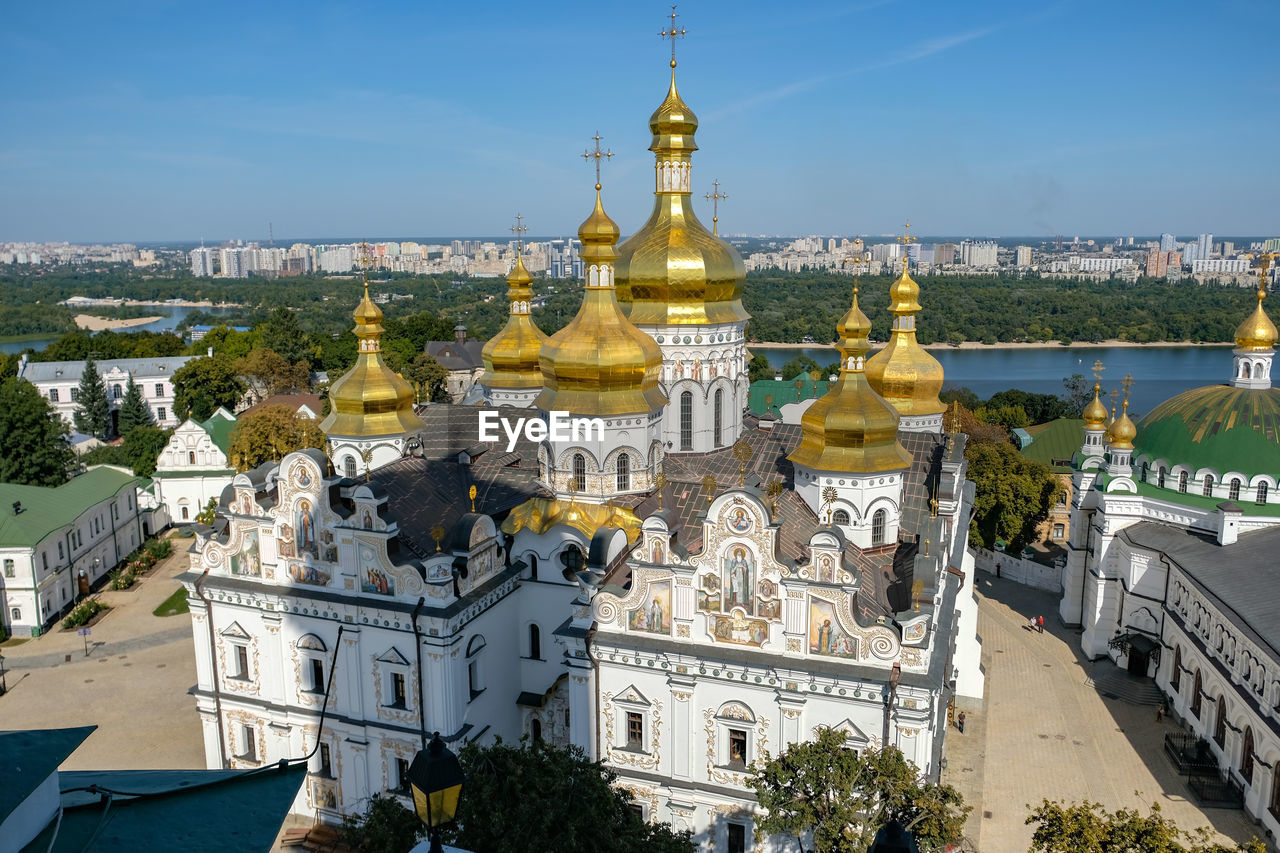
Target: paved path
1042,732
134,686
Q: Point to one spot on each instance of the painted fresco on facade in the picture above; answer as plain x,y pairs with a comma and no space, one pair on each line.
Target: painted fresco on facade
246,562
739,629
373,578
709,595
739,579
654,613
826,637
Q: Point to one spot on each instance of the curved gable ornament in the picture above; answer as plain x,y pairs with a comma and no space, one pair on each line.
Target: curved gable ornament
647,607
834,632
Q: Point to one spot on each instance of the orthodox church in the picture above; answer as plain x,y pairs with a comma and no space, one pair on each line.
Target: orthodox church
681,592
1171,568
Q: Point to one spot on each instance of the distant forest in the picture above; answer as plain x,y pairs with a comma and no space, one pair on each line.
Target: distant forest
785,307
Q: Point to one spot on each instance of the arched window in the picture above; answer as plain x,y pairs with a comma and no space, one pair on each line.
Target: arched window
1244,370
533,567
349,467
535,642
579,472
191,457
840,517
624,472
1175,677
1234,493
185,514
1246,756
573,561
1275,790
1262,494
686,420
535,729
1160,476
1196,686
1220,724
877,527
16,614
719,416
1146,471
1207,490
1182,482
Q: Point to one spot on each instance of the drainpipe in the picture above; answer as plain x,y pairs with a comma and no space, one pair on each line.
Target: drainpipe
417,647
213,660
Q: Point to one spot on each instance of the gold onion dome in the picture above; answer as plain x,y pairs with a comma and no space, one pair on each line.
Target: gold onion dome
1095,414
903,372
370,399
1123,431
1257,332
673,271
600,364
851,428
511,356
1109,425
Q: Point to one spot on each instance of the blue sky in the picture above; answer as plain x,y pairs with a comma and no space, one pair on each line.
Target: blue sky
180,120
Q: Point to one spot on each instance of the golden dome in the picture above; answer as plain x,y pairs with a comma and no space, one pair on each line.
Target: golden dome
540,514
851,428
1095,414
903,372
1111,422
511,356
600,364
370,399
673,271
1257,332
1123,431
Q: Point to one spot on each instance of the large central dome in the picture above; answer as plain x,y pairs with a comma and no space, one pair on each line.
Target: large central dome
1218,427
673,271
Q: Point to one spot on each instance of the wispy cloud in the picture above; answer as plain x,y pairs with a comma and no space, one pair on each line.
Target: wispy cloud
911,53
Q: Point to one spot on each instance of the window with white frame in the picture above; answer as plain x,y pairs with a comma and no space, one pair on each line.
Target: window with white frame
8,568
53,395
735,723
159,389
248,743
475,673
237,640
324,761
312,651
393,672
401,780
633,732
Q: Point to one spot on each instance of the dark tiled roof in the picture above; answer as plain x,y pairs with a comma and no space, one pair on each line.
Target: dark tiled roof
455,356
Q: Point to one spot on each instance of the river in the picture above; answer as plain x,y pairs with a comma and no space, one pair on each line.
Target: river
1159,372
170,316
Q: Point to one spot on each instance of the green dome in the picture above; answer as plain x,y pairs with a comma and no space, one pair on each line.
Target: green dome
1217,427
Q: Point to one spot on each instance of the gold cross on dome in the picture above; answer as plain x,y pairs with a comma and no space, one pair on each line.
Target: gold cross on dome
1127,383
365,261
672,33
1097,368
518,229
906,239
714,197
596,155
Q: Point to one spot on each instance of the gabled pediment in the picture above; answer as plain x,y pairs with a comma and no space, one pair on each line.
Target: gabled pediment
235,632
631,696
393,656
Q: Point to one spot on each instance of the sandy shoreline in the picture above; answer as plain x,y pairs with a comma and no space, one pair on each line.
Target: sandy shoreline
98,324
1011,345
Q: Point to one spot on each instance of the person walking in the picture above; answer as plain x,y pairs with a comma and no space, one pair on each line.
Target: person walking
1040,624
997,570
960,722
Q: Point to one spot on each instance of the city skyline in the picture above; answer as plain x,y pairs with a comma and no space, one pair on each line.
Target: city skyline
156,124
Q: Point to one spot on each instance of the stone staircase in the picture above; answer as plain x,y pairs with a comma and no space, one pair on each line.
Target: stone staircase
1118,684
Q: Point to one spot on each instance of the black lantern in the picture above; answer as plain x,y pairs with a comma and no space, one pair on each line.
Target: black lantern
435,778
893,838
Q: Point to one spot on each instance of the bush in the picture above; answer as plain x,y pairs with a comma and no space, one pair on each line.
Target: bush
158,548
82,613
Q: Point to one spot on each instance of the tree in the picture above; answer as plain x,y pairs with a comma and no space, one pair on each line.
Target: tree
1090,828
282,334
1039,408
139,451
269,373
202,385
385,826
1009,417
428,377
1012,495
801,364
758,368
33,437
134,411
210,512
93,413
518,798
1078,394
842,797
269,434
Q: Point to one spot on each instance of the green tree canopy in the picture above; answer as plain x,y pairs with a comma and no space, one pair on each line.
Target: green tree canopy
522,799
93,412
840,798
385,826
33,437
1013,494
202,385
1090,828
140,450
134,411
428,378
758,368
269,373
269,434
282,333
801,366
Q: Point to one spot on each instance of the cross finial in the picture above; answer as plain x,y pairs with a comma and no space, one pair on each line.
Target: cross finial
365,262
714,197
518,229
906,240
1265,264
596,155
1098,367
857,260
1127,383
673,32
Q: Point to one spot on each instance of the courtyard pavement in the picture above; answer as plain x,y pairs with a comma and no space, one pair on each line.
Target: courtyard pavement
1042,732
133,685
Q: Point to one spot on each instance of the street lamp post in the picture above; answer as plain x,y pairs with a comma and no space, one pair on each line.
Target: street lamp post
435,778
4,687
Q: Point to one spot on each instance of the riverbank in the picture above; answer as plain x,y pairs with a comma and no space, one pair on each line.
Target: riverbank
979,345
99,324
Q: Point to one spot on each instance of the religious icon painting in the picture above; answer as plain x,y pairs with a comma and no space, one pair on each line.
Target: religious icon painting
826,637
659,553
654,613
373,578
308,574
739,579
739,521
708,602
826,572
246,562
306,527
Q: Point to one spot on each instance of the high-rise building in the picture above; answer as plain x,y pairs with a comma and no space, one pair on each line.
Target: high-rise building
976,253
202,262
1022,256
1168,242
1204,246
1271,245
1157,264
1228,248
944,253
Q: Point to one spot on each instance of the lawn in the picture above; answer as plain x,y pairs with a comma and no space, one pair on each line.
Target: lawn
174,604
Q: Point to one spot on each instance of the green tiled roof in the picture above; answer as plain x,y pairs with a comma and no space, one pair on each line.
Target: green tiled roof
1197,501
783,391
45,509
219,429
186,472
1055,442
1218,427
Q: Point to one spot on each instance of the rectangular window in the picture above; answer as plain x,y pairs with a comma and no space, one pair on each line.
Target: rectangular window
402,776
53,395
159,389
326,765
635,731
737,748
8,568
317,675
249,735
75,395
737,838
60,552
242,661
397,689
1059,531
160,415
